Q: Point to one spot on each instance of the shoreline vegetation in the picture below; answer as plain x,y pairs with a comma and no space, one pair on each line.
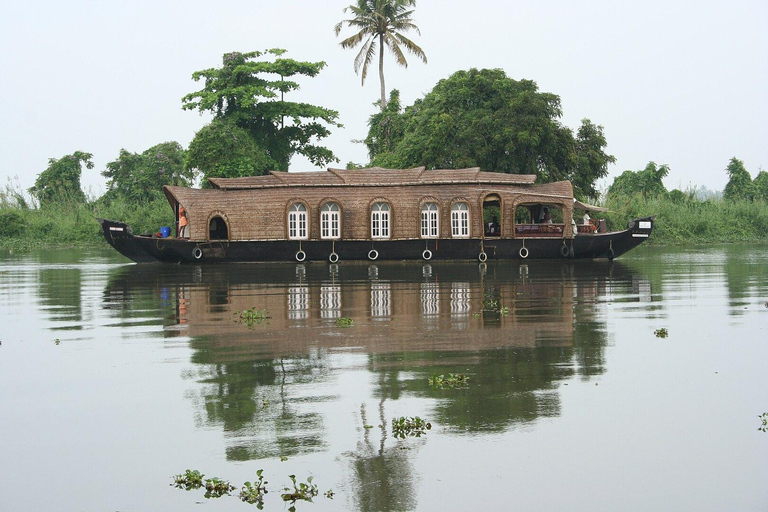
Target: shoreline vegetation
680,219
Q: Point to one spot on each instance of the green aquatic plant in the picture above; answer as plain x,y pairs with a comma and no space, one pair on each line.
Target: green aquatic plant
190,479
216,488
661,333
253,493
253,316
451,381
764,418
304,491
329,494
409,426
344,322
495,306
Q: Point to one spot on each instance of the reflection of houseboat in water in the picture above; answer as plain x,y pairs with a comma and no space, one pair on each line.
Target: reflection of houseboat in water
378,214
518,331
394,307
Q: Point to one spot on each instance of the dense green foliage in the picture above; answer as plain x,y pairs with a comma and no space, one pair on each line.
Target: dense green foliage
482,118
73,223
224,149
740,185
761,186
140,177
646,183
683,218
381,23
246,97
61,180
693,221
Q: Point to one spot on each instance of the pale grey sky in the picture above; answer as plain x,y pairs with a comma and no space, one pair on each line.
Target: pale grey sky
679,83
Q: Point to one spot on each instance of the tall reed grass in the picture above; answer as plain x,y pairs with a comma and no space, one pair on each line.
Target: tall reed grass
692,221
25,225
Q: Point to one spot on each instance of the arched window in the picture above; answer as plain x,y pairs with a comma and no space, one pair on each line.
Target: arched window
217,229
430,221
330,221
297,222
380,220
460,220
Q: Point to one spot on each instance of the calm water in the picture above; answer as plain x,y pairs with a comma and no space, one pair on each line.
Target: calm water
115,377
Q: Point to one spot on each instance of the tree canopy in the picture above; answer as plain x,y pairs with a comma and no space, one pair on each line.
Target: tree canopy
140,177
381,23
647,182
246,98
761,186
61,180
740,185
482,118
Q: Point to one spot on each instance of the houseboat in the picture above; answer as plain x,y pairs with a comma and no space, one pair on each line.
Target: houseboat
377,214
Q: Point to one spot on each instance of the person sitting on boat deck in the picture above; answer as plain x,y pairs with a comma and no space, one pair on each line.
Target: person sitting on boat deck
183,221
586,218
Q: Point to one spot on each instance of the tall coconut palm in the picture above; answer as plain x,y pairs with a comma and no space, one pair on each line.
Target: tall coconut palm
381,23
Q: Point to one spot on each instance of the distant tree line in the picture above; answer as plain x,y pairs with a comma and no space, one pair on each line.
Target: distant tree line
648,184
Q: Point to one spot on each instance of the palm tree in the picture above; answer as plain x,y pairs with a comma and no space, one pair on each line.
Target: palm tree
380,23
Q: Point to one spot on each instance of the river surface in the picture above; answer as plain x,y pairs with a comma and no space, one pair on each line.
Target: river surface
636,385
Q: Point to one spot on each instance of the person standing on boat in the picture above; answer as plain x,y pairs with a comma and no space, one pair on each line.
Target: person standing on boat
183,222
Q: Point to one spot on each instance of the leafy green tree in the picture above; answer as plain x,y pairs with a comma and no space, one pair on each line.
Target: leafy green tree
591,159
647,182
246,97
224,149
381,23
385,128
483,118
739,186
761,186
140,177
61,180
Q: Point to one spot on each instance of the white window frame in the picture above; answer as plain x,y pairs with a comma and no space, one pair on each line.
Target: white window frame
460,220
330,221
380,221
430,220
297,222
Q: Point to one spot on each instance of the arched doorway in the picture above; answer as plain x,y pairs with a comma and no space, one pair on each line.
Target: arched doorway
492,215
217,229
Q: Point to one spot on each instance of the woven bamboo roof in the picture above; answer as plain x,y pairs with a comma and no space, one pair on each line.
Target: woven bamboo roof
375,176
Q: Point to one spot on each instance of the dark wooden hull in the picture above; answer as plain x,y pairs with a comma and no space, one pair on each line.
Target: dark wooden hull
145,249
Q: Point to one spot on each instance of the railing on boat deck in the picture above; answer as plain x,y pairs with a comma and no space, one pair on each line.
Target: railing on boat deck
552,230
586,228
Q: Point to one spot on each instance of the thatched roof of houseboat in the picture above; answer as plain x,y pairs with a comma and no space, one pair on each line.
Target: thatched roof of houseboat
375,176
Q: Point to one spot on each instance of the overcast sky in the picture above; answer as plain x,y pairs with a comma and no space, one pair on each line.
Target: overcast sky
679,83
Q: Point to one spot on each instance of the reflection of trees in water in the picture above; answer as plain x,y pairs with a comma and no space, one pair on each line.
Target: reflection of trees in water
262,404
507,386
59,290
746,275
383,476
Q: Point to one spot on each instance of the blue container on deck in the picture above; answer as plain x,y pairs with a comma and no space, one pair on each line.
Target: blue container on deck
165,232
